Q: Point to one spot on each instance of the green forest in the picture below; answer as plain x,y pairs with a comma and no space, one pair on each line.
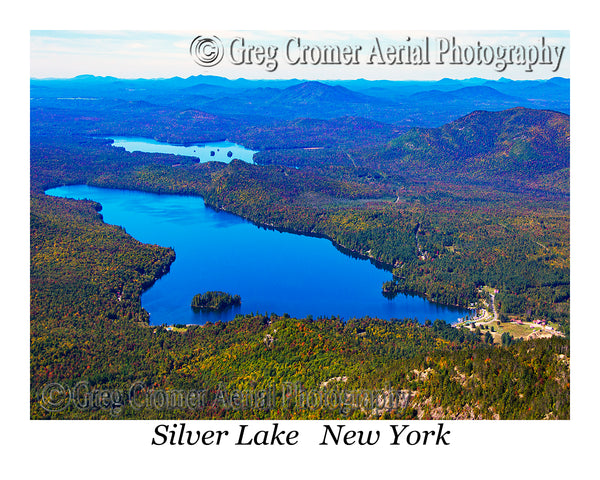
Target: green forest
482,202
88,329
213,300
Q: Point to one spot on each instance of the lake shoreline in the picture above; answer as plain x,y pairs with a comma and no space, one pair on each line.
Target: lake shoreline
345,250
270,227
203,152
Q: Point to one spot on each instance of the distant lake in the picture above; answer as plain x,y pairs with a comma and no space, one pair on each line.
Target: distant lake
205,152
272,271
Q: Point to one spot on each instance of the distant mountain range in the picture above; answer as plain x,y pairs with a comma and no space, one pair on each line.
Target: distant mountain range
403,103
474,94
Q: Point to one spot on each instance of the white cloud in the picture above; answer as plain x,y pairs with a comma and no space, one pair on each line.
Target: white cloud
165,53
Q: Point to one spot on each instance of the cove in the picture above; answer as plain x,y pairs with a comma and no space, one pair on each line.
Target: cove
272,271
206,152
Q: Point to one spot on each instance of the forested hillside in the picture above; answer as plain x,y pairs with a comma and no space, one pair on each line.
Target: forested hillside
511,148
444,228
481,202
88,333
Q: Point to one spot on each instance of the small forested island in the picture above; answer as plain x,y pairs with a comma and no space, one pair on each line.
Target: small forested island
215,301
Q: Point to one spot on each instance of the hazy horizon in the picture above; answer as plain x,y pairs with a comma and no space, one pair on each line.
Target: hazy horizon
62,54
464,79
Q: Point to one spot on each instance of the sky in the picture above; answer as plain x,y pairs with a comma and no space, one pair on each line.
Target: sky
164,54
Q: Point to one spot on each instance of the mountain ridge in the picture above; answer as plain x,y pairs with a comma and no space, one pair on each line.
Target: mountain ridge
513,146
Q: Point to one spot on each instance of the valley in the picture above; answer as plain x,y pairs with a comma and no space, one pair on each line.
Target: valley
458,188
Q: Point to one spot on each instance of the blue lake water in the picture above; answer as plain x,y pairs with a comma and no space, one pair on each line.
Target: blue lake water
207,152
272,271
